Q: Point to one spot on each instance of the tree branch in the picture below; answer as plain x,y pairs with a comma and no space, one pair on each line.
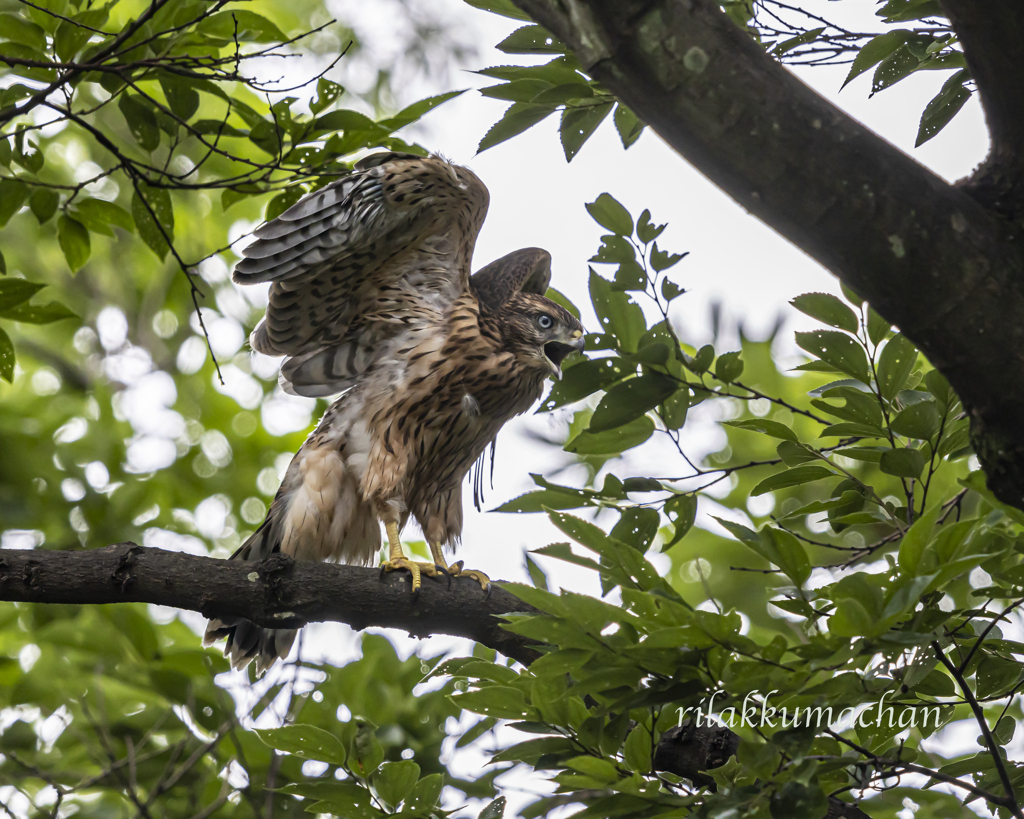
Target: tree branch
929,257
277,593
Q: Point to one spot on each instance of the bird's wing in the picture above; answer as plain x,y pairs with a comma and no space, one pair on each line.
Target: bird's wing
527,270
354,262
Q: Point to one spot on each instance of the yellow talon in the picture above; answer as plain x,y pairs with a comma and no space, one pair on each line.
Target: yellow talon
456,570
397,560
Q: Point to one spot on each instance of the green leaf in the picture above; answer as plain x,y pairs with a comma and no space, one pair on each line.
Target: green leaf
141,121
610,214
505,8
249,25
792,477
920,420
327,93
729,367
637,527
159,200
631,399
895,365
943,107
646,230
878,327
612,441
903,463
662,260
670,290
16,291
495,809
585,379
416,111
519,117
74,241
6,357
629,128
531,39
636,751
3,265
894,68
827,309
766,427
702,360
499,701
876,50
305,742
99,215
775,546
939,387
182,97
41,314
838,350
915,541
578,124
43,203
995,675
799,40
394,781
13,193
619,315
552,497
794,454
17,29
682,511
425,794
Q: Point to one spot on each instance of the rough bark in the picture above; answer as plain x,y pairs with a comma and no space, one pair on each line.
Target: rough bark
933,259
278,592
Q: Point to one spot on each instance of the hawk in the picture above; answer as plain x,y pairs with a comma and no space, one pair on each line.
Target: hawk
371,296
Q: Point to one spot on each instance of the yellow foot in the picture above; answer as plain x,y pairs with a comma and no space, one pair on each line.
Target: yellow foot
415,568
456,570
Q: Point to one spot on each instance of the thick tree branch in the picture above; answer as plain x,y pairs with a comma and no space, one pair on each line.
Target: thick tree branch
277,592
929,257
992,35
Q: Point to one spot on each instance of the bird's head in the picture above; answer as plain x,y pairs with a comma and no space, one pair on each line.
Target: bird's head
541,332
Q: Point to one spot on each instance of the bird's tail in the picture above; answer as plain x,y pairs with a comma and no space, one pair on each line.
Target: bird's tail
246,640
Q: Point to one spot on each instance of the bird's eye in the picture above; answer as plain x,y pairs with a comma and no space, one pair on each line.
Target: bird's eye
544,321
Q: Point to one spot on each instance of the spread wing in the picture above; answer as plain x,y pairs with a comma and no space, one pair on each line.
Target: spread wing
522,271
354,263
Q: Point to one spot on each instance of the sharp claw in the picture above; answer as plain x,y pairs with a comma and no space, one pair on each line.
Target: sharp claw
383,568
487,591
445,572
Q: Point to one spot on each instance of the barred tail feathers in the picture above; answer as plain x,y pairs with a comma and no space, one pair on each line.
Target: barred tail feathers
245,640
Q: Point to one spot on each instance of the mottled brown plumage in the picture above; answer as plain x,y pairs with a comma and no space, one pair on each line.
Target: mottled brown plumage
371,295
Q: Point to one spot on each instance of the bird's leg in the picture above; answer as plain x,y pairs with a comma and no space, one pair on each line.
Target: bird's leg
397,559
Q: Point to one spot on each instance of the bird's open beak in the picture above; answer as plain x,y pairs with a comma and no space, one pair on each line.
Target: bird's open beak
556,351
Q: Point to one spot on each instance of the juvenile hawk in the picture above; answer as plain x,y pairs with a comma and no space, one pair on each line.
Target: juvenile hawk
371,294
